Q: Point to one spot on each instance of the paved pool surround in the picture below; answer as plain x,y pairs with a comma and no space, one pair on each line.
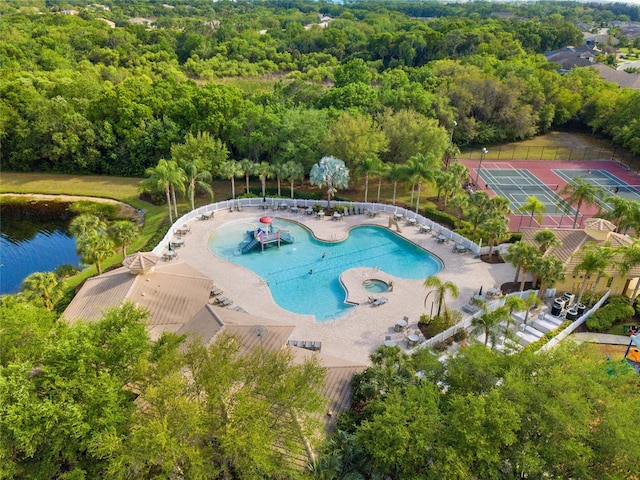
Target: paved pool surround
356,335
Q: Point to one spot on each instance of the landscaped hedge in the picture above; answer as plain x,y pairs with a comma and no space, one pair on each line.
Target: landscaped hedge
443,218
616,310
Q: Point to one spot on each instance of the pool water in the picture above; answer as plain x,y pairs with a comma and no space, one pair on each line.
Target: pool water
304,276
375,286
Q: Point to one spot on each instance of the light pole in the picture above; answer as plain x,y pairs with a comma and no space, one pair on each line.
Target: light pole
455,124
484,152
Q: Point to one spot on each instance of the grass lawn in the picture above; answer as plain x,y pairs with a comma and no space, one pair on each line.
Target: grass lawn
552,146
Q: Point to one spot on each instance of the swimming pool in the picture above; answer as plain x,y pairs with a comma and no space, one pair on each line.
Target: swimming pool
304,276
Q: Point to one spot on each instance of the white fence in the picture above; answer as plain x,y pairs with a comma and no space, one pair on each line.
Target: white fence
466,323
275,202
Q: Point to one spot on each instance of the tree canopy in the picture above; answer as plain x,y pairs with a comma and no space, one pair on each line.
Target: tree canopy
81,95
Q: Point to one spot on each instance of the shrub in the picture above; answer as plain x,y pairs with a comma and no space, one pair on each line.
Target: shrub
440,347
613,312
443,218
106,211
65,271
431,326
460,335
514,238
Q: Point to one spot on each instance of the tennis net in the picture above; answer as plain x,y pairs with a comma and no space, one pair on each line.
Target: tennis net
525,187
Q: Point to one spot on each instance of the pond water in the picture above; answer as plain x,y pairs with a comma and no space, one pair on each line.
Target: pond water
34,237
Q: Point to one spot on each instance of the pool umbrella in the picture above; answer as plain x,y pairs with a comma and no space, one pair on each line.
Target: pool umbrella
266,221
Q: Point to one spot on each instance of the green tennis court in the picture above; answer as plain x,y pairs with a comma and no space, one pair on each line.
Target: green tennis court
516,185
603,179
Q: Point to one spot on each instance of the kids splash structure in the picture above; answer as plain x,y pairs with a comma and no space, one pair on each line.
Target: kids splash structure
264,236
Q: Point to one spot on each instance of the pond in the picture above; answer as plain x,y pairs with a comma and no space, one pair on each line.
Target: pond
34,237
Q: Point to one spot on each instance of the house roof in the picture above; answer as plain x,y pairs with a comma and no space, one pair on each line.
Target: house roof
172,293
620,77
337,384
140,261
251,331
572,242
212,324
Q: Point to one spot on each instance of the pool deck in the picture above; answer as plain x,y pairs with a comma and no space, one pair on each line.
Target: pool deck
365,327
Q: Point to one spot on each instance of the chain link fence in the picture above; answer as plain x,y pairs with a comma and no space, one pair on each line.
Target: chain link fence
629,160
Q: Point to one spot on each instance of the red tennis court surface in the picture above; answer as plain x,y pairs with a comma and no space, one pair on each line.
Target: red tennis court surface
543,171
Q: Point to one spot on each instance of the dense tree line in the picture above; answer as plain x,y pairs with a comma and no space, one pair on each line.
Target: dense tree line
98,400
560,414
79,96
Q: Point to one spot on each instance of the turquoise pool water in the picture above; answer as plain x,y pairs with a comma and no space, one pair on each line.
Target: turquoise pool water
287,269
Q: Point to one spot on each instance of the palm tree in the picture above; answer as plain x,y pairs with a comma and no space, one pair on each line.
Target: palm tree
419,168
514,303
587,266
95,248
440,289
368,166
231,169
460,202
450,153
546,239
165,176
447,183
264,171
279,170
580,192
605,254
381,172
489,323
548,270
496,228
530,302
478,207
624,213
630,259
332,173
293,171
44,286
197,176
460,171
533,206
123,233
86,224
521,255
248,168
395,173
499,206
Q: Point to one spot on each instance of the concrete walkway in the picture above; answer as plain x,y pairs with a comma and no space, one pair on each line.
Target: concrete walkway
603,338
355,336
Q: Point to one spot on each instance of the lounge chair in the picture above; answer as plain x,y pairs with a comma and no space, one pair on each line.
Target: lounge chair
226,302
215,291
379,301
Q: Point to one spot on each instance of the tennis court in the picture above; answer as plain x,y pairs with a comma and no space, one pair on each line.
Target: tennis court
517,184
603,179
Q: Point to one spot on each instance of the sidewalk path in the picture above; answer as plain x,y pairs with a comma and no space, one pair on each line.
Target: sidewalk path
603,338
